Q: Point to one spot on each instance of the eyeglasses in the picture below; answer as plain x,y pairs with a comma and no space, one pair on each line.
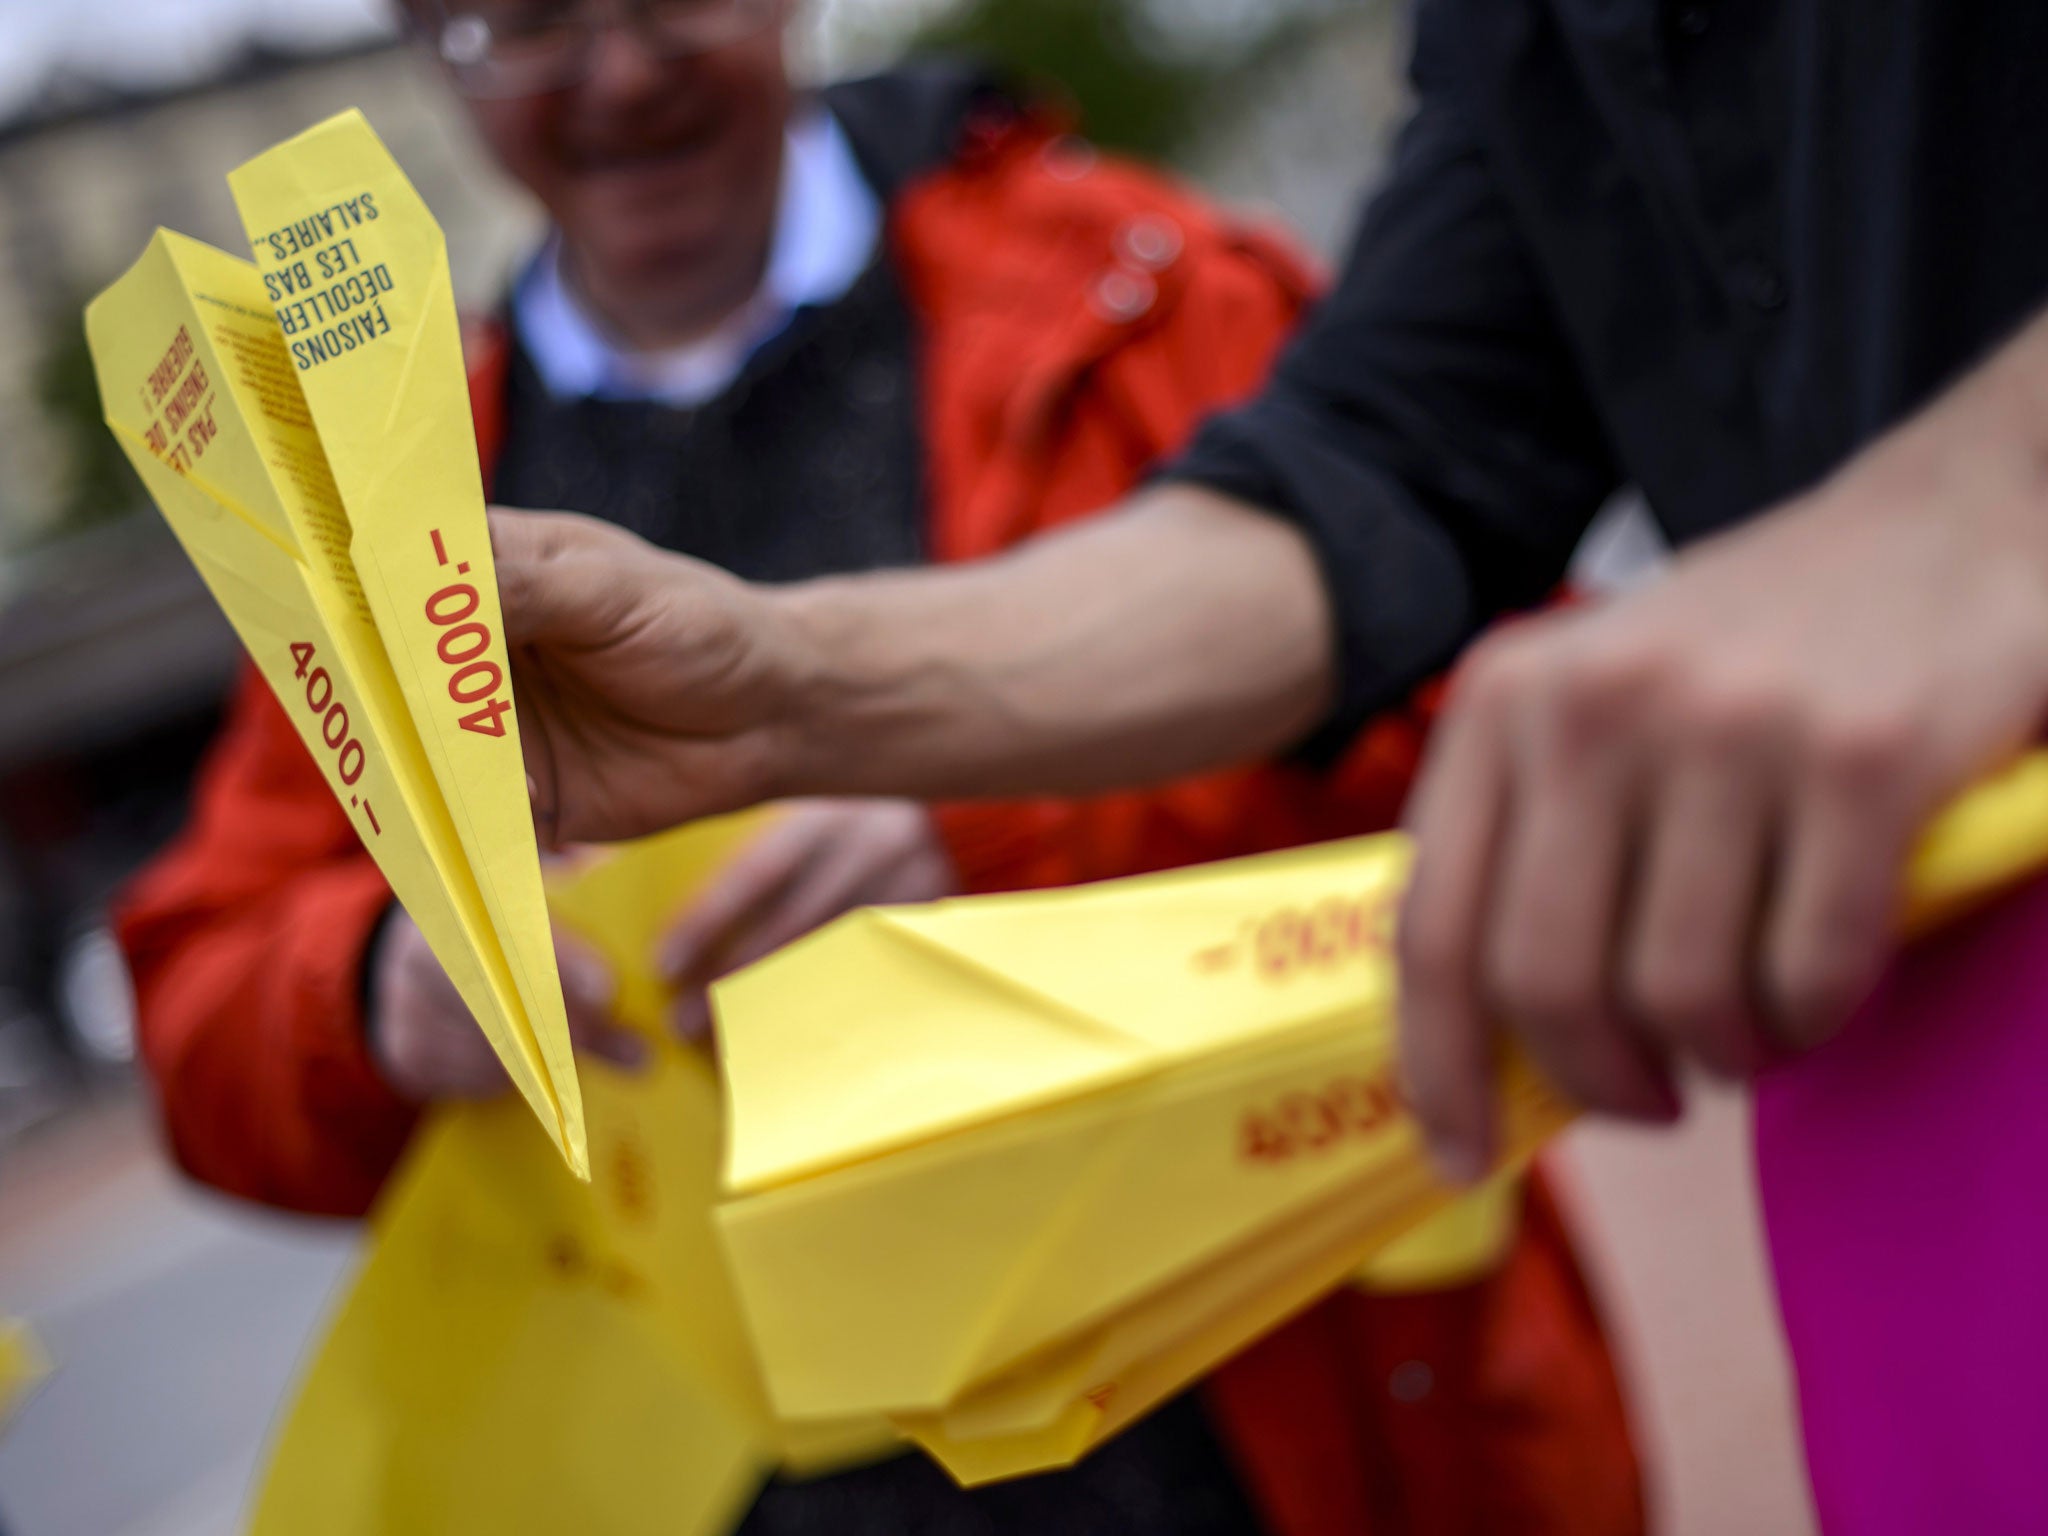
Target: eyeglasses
505,48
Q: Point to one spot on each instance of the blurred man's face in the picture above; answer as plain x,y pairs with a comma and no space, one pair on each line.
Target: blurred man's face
656,170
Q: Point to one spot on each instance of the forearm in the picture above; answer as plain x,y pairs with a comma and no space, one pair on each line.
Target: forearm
1981,449
1182,633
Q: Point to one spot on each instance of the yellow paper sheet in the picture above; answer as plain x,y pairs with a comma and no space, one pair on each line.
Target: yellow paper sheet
523,1353
22,1364
1059,1154
322,539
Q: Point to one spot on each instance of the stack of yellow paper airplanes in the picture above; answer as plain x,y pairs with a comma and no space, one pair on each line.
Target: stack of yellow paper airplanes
303,424
1009,1171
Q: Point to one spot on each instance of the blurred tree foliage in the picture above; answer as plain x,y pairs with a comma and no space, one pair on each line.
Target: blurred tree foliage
98,484
1133,88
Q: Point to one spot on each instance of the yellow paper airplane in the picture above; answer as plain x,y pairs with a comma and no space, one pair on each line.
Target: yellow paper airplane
1009,1171
323,478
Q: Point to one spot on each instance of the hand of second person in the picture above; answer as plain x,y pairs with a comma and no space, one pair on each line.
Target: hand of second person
428,1046
818,859
1675,826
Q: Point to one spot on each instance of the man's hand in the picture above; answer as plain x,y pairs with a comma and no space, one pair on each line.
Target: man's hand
651,687
820,858
1675,826
428,1046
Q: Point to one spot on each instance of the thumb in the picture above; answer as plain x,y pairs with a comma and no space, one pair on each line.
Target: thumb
562,578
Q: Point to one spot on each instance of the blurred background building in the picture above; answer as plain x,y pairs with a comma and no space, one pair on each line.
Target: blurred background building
175,1320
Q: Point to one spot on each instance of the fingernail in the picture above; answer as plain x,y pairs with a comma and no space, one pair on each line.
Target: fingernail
533,789
1457,1162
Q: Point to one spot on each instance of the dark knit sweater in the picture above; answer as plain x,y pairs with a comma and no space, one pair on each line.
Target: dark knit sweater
807,465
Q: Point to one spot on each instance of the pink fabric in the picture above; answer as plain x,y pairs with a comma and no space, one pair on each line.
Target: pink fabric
1905,1185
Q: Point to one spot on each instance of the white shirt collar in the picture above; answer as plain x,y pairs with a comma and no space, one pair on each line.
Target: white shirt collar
828,222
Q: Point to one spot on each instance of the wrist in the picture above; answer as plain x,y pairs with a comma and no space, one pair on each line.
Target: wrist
839,689
1992,433
801,686
2020,416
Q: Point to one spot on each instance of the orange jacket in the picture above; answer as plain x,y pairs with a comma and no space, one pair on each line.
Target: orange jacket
1077,317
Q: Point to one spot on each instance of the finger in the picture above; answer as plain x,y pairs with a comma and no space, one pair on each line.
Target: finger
1550,937
590,994
753,882
855,872
618,1047
1445,1053
589,988
690,1017
436,1053
1847,838
467,1074
590,991
537,748
1685,975
558,576
832,884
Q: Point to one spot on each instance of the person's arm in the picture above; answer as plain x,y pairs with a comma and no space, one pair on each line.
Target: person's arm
1670,826
1185,631
1674,827
1426,441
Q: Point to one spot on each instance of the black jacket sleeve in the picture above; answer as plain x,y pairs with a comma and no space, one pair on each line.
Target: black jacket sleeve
1427,429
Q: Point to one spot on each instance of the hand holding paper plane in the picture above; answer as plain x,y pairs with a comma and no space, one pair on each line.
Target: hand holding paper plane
304,427
1011,1170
